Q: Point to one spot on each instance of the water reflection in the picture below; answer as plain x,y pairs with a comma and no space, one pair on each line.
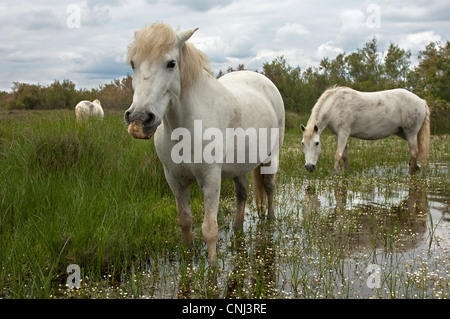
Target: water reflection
360,220
249,270
255,272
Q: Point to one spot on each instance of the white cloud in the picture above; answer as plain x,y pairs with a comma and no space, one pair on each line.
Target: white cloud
290,31
418,41
353,21
329,50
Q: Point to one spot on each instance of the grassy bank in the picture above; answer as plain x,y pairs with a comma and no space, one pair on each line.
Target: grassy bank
86,195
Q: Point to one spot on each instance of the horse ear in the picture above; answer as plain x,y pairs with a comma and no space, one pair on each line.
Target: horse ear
302,127
183,36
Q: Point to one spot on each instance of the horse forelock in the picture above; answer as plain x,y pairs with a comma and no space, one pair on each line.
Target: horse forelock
151,42
156,40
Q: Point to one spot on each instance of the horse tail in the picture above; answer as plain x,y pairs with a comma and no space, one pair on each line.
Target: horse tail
92,107
259,191
423,138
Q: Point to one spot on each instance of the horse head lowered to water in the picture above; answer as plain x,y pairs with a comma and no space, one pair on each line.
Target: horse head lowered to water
369,116
204,129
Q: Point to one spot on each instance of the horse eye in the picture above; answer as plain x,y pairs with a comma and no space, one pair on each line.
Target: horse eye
171,64
317,143
132,64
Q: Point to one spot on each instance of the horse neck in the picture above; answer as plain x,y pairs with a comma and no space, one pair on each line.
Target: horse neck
317,121
192,102
320,117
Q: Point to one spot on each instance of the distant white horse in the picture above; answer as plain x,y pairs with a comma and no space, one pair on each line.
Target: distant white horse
87,109
174,92
369,116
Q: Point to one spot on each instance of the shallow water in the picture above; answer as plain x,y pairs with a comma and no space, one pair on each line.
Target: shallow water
402,227
382,234
331,232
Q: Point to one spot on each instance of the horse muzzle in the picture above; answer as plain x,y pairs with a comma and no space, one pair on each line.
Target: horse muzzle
137,130
141,125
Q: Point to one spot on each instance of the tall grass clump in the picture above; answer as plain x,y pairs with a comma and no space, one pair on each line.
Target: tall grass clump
87,194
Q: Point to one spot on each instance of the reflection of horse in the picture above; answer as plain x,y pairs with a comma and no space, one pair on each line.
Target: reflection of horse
257,265
173,88
369,116
370,224
87,109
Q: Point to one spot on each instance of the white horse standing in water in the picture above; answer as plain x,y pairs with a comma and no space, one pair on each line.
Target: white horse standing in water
87,109
173,89
369,116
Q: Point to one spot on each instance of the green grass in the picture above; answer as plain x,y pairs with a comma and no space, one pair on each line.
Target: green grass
93,196
87,195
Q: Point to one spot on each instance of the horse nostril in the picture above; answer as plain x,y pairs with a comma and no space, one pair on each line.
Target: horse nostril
150,119
127,117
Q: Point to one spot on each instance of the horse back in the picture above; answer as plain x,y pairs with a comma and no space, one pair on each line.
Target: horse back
374,115
256,95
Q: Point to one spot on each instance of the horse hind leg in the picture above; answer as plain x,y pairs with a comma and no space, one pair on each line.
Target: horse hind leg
264,187
345,158
241,189
269,186
413,153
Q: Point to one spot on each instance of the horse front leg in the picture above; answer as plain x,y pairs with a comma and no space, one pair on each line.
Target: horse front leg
182,197
210,186
342,139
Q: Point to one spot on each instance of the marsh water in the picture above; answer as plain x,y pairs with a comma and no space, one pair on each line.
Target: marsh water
374,235
383,234
400,227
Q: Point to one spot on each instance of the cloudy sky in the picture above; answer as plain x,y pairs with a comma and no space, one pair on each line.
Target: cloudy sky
86,41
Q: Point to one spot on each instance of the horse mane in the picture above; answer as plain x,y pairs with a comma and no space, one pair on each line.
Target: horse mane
154,41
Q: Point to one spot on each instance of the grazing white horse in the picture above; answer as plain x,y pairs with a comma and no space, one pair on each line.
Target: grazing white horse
175,95
87,109
369,116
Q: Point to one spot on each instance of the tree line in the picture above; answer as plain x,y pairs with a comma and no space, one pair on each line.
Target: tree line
63,95
366,69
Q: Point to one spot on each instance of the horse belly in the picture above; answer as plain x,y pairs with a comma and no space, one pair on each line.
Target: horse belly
375,130
235,170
